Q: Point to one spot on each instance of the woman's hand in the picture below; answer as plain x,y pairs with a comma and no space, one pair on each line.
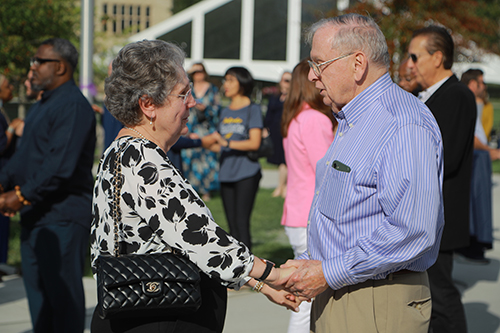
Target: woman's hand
279,277
282,298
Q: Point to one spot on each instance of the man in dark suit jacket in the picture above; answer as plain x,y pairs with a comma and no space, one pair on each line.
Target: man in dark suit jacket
454,107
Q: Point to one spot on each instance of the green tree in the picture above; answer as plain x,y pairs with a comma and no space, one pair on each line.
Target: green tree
473,24
24,24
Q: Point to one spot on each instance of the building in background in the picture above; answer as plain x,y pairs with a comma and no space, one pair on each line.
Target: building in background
125,17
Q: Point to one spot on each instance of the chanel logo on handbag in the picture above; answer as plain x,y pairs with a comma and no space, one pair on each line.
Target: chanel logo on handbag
153,287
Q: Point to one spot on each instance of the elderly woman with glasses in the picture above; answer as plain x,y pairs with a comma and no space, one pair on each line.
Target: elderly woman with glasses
149,92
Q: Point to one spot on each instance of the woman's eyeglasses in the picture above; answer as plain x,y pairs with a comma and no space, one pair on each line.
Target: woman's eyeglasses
186,95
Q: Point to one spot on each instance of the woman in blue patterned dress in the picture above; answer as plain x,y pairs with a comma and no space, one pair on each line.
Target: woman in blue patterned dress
200,165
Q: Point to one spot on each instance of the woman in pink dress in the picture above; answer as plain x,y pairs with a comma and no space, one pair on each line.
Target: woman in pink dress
307,127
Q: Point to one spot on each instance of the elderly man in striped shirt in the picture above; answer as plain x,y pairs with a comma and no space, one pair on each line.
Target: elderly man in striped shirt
377,217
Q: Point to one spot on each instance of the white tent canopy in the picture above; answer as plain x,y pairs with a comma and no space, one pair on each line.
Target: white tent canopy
279,16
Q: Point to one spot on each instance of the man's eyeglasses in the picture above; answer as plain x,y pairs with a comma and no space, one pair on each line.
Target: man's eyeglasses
316,67
35,61
413,57
186,95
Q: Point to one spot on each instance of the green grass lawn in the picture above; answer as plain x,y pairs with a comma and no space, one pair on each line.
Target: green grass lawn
268,236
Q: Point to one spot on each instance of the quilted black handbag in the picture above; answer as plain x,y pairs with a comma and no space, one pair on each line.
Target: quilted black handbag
157,284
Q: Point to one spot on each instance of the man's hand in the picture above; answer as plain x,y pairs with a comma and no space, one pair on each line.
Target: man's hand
10,204
308,279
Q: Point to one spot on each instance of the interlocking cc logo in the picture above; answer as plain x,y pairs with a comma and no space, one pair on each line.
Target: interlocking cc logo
153,287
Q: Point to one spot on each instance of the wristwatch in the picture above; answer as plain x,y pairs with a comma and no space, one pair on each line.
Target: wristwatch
267,271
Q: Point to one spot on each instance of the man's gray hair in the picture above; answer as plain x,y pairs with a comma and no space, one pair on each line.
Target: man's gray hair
147,68
65,49
355,32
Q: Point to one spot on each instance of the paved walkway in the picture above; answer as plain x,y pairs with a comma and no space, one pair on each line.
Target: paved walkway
251,312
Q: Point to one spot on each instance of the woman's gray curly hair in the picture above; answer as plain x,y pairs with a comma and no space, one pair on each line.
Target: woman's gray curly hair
147,68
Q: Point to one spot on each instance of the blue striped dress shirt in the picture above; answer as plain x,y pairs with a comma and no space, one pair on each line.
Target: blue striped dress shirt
378,205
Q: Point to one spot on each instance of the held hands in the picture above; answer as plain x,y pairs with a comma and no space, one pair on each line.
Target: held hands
18,126
282,298
10,204
218,142
294,282
307,280
302,278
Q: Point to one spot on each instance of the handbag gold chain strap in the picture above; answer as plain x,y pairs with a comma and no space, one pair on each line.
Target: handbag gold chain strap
116,211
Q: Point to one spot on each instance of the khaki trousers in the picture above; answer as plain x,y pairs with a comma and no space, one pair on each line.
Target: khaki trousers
401,303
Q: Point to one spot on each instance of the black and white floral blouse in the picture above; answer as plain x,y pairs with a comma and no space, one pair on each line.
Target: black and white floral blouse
160,211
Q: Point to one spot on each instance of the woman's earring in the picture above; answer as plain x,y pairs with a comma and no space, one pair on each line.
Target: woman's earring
151,120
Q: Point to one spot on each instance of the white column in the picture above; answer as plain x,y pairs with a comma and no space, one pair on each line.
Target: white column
247,20
86,48
197,37
293,33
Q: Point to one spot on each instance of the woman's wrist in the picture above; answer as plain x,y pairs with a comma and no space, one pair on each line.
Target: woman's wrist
273,275
269,272
258,286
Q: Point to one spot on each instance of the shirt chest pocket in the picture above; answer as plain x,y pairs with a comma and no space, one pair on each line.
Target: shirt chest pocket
338,196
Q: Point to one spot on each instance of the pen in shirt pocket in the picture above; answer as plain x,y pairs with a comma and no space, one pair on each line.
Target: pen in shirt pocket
341,166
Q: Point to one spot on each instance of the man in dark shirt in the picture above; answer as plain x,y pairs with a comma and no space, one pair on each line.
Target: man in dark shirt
49,180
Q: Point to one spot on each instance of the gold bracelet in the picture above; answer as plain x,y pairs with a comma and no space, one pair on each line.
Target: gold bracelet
258,287
20,196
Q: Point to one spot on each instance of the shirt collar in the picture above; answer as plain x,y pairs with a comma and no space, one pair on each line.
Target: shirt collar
47,94
427,93
353,110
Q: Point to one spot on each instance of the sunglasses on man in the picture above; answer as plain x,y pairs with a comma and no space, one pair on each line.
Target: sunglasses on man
35,61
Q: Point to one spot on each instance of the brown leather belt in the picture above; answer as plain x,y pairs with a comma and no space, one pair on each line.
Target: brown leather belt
401,272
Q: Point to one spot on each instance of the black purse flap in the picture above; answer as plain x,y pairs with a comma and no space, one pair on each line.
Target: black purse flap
155,267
